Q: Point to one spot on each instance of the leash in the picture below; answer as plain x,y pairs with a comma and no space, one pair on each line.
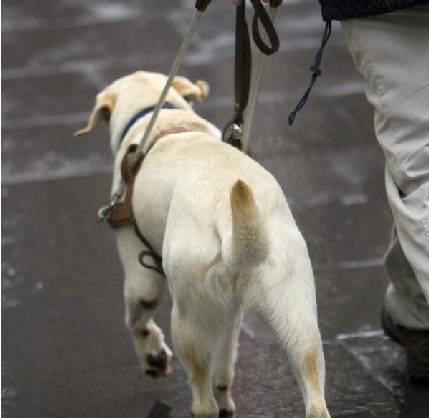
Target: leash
268,44
242,76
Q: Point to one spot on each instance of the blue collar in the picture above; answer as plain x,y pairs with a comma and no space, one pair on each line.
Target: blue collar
140,115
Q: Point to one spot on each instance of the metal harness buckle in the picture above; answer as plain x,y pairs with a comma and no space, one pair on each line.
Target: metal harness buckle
105,211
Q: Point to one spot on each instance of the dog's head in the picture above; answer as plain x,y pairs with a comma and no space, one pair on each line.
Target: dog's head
122,99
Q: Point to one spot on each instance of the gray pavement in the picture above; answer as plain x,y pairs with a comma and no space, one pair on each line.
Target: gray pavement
66,353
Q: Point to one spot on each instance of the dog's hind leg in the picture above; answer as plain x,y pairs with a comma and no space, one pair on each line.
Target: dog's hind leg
288,302
143,292
193,345
301,338
223,365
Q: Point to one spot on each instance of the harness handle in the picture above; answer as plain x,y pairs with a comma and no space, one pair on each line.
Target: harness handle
262,16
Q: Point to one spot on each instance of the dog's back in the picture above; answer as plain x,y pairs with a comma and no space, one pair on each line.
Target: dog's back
223,213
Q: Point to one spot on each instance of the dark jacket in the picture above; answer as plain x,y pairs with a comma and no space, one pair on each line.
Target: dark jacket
347,9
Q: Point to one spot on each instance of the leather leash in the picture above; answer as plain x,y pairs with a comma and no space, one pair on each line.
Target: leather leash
242,75
232,132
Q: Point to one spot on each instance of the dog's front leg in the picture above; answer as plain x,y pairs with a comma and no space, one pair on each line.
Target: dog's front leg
143,292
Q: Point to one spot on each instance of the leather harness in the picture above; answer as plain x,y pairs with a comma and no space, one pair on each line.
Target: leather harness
122,214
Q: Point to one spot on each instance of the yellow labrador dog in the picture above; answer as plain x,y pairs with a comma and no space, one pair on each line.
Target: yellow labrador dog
228,242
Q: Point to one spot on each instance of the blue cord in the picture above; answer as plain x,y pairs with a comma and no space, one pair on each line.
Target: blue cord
315,68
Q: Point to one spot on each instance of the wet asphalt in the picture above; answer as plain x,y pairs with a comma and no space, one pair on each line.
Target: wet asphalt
65,350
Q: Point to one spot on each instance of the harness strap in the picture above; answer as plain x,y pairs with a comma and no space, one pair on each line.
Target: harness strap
141,114
123,213
200,7
149,253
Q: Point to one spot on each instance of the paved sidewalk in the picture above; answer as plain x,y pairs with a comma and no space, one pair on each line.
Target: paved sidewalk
66,352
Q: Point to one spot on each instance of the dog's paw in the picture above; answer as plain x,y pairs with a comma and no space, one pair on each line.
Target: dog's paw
226,413
225,401
159,364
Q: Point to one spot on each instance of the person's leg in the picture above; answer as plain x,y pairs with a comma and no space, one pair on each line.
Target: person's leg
405,300
392,53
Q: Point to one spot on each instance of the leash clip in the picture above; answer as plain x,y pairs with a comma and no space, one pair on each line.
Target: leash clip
235,136
105,211
232,134
236,133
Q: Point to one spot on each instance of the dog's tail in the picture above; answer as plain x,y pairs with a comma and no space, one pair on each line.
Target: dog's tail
249,243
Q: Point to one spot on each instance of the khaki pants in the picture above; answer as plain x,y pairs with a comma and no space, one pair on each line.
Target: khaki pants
392,53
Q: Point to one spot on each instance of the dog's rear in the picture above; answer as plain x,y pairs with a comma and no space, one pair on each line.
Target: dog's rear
231,243
267,266
279,278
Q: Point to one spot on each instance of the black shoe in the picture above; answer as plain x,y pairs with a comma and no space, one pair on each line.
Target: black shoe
416,345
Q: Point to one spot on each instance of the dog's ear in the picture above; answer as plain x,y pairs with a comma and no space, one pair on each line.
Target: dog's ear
104,104
192,91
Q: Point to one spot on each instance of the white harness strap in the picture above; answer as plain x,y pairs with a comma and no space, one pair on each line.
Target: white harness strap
173,72
117,193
